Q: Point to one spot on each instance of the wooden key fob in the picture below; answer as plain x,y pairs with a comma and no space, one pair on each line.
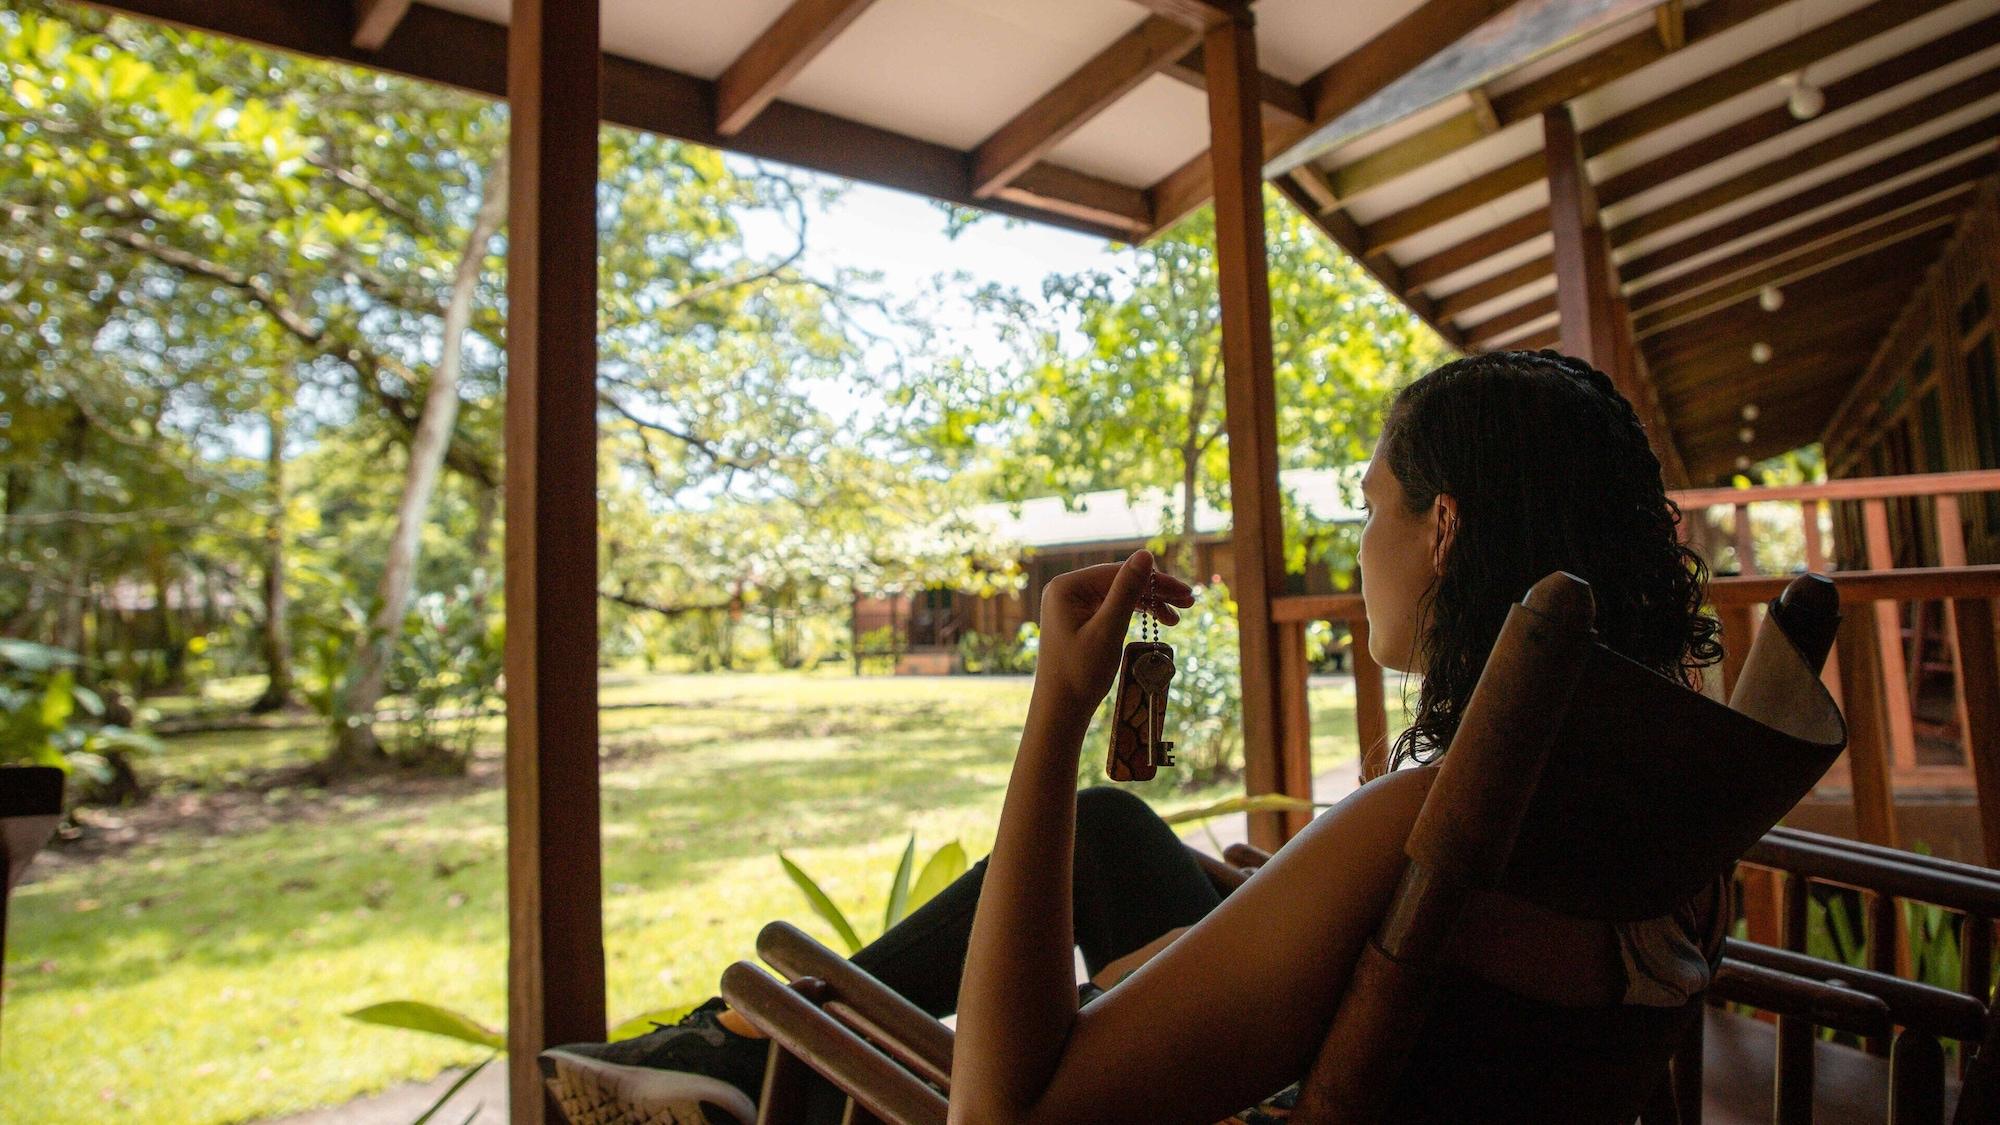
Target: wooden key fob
1139,713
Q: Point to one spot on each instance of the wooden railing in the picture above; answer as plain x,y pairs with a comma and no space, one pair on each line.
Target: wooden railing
1909,589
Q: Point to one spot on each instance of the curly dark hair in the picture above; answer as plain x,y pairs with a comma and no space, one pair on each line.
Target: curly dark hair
1551,470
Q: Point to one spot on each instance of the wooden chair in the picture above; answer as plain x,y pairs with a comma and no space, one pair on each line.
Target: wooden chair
1578,781
30,806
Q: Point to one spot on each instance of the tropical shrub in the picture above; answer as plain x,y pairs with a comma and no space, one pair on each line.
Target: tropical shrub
981,654
944,865
47,718
448,671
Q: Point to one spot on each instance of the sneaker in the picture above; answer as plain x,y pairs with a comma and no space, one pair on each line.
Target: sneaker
696,1072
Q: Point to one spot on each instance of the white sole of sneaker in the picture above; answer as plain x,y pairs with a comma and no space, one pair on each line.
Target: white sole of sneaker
593,1092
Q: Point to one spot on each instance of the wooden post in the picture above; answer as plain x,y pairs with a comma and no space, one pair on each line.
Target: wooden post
1236,152
1295,711
1582,260
555,957
1371,713
1867,730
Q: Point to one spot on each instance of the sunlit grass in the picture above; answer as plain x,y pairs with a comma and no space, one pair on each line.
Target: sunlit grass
200,979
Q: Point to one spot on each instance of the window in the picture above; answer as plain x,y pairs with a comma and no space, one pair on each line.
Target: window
1980,372
1930,420
1972,314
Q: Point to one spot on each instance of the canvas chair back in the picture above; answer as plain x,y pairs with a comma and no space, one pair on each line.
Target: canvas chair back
1584,784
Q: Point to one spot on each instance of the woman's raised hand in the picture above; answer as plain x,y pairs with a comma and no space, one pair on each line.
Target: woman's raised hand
1085,615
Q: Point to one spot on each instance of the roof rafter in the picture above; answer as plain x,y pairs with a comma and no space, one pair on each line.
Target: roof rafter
376,20
1283,100
1818,258
1438,141
776,56
1089,90
1889,125
468,53
1342,231
1198,14
1692,98
1759,221
1364,71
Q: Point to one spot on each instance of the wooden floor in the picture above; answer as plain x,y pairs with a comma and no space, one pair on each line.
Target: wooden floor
1851,1087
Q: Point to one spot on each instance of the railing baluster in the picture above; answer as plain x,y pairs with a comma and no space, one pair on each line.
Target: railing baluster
1371,710
1792,1092
1885,945
1746,545
1889,641
1295,755
1916,1080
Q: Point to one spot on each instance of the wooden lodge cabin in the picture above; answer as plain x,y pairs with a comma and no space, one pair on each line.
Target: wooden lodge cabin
920,632
1623,179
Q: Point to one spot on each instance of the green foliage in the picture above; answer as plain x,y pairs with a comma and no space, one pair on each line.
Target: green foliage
1122,388
979,653
416,1015
1206,716
448,672
1263,802
944,865
47,718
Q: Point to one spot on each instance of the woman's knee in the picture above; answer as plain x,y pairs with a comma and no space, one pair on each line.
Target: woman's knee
1104,810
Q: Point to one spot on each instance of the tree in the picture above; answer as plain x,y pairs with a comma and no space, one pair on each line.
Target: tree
1125,391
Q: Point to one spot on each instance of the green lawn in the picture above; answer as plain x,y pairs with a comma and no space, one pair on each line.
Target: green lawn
199,976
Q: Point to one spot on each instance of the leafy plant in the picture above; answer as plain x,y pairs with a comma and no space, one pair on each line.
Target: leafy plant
448,668
944,865
979,653
47,718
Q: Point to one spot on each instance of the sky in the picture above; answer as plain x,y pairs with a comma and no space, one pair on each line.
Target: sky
902,238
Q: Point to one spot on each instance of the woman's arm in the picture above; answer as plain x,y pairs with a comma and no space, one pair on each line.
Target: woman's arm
1017,1000
1232,1011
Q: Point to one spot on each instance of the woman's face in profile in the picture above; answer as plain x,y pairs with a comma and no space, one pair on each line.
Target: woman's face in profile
1398,548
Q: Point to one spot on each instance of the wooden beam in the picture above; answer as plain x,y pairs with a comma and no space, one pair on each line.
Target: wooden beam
1283,101
1495,330
1582,260
1766,218
1690,99
555,909
1198,14
1887,127
376,20
1054,189
1440,140
1854,224
1364,71
1312,182
1089,90
1344,234
1670,19
1824,256
1482,110
1975,137
1243,281
775,57
439,46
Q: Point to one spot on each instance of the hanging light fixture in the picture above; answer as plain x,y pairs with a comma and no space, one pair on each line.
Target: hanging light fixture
1742,462
1746,435
1771,298
1807,100
1760,352
1750,412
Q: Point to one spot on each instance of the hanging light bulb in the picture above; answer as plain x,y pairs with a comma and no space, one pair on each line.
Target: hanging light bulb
1743,462
1807,100
1749,412
1746,435
1760,352
1771,298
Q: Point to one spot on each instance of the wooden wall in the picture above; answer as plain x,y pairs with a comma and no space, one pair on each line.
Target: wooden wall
1930,399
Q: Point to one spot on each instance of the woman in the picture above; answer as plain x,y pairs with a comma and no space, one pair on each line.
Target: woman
1492,472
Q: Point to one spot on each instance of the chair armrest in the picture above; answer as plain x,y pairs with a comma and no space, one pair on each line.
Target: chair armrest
1957,886
1824,1004
908,1033
1927,1008
865,1074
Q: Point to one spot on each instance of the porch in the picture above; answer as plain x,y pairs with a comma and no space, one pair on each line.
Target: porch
1616,178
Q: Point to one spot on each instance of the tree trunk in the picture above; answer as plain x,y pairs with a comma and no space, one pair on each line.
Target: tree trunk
76,567
277,636
486,512
1184,556
356,746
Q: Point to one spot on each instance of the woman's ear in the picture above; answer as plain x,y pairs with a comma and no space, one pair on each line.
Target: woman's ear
1444,529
